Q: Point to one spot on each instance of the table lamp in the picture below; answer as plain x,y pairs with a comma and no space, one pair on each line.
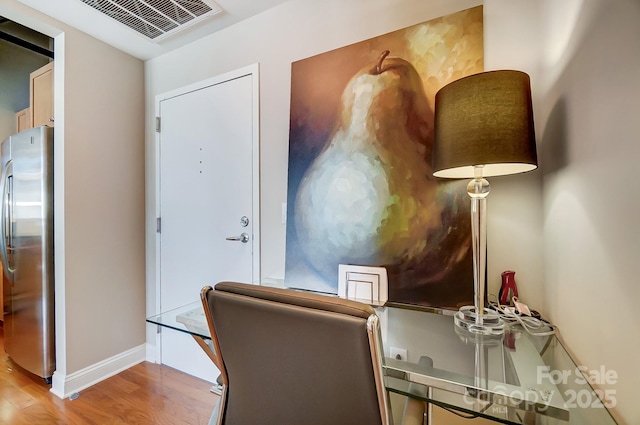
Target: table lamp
483,127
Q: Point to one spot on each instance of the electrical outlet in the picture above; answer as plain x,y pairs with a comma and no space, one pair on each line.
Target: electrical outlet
398,353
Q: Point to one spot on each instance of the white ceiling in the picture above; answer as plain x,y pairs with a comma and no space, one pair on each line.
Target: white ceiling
86,19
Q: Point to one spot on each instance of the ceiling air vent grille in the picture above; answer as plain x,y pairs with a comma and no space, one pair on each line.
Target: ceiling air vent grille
156,19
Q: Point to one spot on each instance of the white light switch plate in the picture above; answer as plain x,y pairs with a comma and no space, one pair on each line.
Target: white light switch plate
365,283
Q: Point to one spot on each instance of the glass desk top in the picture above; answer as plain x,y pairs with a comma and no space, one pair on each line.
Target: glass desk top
512,379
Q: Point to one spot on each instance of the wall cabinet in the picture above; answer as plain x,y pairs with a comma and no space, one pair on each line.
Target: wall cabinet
40,112
23,120
41,96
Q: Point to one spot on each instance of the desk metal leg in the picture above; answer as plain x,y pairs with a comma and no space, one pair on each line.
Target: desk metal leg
218,388
216,414
428,418
207,347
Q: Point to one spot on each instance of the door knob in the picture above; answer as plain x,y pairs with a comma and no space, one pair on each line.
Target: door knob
244,238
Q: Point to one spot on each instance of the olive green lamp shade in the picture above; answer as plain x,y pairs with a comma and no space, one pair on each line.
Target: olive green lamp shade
484,120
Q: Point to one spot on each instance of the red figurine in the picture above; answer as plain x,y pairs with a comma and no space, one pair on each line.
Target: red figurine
508,290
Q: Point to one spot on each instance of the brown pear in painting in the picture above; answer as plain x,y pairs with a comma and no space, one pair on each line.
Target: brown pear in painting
361,189
367,197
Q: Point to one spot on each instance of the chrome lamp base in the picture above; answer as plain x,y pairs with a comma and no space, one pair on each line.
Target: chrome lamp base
488,323
477,319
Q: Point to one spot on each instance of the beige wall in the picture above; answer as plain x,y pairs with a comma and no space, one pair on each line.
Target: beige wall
568,230
99,199
104,200
591,202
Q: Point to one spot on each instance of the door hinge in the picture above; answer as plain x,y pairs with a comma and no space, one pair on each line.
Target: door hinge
158,225
157,124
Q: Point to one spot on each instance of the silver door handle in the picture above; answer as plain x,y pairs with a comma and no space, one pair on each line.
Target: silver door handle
6,210
244,238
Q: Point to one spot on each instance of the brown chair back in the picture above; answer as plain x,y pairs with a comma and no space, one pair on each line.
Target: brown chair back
295,358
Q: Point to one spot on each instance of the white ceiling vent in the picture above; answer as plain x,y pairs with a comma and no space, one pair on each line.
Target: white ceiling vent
156,19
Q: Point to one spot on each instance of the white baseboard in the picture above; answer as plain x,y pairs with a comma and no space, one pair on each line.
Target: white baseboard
65,385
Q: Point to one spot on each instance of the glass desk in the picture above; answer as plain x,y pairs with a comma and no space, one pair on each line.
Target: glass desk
513,379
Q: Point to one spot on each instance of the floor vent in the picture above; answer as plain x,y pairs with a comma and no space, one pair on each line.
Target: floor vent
156,19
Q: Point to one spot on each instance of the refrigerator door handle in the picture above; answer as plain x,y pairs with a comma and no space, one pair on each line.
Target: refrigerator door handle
6,214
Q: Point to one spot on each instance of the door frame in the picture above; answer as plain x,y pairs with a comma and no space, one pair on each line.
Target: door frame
153,300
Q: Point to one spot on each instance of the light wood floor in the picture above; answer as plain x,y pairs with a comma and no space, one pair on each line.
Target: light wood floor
144,394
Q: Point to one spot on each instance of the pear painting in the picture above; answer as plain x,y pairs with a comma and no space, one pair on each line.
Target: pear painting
361,189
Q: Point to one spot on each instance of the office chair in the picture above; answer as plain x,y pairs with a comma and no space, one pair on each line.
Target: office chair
295,358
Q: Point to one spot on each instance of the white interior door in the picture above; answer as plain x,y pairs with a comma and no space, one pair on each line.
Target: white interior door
208,179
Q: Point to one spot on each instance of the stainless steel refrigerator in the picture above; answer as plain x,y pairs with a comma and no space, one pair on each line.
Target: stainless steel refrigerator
26,248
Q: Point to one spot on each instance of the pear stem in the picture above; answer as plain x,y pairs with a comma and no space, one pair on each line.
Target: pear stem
378,68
